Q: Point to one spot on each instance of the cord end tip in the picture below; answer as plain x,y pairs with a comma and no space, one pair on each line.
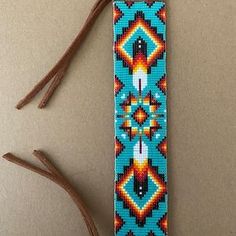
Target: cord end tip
41,105
19,105
7,156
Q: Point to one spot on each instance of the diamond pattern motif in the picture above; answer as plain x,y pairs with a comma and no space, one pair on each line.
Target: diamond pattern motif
140,116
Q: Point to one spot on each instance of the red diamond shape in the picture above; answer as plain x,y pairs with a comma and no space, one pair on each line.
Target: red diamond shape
117,14
119,147
162,14
163,224
140,115
118,222
129,3
118,85
149,2
162,84
162,147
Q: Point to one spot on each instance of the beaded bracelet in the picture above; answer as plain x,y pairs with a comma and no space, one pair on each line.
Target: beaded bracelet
140,117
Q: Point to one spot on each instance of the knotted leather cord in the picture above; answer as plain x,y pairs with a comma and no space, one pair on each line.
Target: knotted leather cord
58,71
57,177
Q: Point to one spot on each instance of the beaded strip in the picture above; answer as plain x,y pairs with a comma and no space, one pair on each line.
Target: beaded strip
140,118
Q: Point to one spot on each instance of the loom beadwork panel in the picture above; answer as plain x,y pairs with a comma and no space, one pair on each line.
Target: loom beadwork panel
140,118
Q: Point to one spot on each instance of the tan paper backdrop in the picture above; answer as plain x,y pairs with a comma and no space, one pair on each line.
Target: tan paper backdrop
77,127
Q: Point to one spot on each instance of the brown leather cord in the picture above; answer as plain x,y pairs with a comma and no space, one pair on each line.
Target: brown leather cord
57,73
57,177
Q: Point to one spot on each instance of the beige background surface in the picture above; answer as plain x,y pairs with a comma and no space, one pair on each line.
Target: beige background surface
77,127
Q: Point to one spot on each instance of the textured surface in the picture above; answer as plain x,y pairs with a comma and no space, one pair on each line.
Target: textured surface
140,118
77,127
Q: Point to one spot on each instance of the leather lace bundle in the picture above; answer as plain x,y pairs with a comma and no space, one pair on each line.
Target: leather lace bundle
56,75
57,177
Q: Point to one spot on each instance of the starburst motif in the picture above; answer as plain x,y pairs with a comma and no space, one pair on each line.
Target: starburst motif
140,116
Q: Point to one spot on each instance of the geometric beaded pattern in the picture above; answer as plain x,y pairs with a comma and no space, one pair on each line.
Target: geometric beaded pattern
140,92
